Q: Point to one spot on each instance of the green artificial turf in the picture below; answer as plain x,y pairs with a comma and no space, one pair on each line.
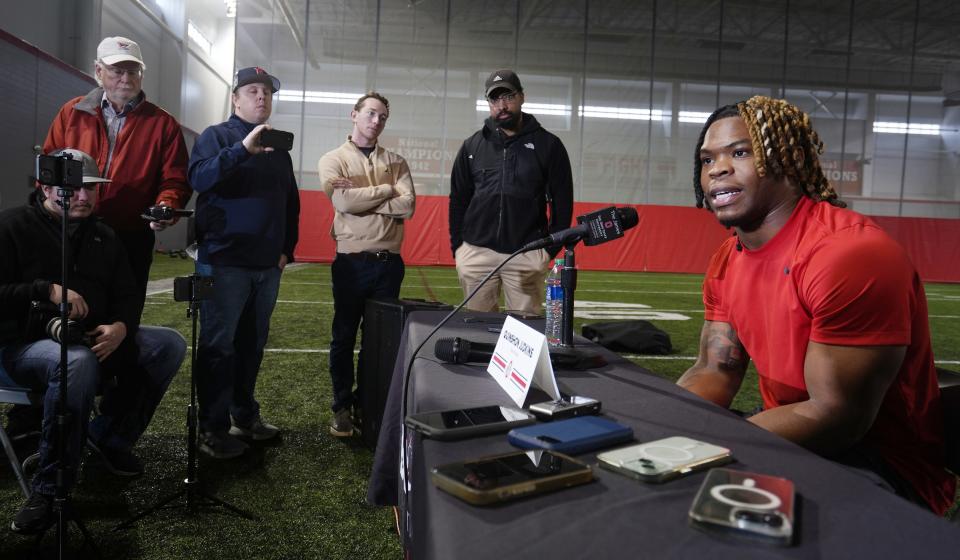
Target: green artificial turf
308,489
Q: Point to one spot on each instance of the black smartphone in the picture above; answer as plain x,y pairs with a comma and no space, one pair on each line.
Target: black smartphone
276,139
510,476
469,422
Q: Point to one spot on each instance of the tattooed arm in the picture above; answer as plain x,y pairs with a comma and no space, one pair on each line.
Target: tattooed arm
719,370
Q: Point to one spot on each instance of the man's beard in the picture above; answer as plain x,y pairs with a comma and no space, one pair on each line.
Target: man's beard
510,123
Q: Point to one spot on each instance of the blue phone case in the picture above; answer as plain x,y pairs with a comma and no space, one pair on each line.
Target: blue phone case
576,435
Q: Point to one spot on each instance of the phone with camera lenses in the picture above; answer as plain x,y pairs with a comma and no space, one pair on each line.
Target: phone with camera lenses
749,505
510,476
664,459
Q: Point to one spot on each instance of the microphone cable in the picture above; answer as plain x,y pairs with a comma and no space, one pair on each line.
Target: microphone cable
404,458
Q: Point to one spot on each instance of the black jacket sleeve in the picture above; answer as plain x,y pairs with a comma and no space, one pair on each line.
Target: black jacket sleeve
461,192
560,189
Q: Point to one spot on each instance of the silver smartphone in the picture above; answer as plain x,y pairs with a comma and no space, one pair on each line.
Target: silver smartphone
567,407
664,459
745,504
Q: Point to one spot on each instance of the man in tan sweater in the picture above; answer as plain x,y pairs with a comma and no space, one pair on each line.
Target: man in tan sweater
372,193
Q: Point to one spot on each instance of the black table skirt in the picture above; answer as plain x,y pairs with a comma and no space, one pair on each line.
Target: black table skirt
840,513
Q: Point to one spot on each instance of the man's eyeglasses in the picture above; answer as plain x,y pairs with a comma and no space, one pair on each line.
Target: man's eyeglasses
507,97
117,72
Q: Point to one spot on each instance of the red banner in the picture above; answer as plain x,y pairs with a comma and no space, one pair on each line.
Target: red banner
667,239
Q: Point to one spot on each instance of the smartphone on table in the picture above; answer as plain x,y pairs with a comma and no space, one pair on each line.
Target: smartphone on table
664,459
569,406
468,422
519,474
754,506
575,435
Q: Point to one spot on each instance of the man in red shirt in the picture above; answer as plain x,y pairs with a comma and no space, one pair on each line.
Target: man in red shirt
828,307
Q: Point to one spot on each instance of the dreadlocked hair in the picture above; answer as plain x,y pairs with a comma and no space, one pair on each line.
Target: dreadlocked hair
784,144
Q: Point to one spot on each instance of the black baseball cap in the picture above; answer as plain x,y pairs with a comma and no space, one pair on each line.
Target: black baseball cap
505,79
254,75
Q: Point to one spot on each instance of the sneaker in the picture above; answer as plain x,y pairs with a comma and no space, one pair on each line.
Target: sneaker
342,423
258,430
121,462
221,445
35,516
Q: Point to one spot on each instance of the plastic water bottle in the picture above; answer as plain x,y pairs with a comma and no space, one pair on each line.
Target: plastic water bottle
553,305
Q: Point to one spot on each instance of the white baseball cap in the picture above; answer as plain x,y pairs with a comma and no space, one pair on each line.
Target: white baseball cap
119,49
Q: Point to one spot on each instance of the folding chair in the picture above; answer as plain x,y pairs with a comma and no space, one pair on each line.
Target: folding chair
11,393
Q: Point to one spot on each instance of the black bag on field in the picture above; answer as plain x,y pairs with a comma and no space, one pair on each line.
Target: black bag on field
639,337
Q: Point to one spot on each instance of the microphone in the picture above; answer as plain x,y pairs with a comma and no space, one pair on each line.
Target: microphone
594,228
460,351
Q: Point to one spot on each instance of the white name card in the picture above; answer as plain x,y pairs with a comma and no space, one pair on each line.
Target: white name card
521,358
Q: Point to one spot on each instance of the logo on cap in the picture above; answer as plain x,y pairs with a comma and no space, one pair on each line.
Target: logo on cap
122,45
497,79
259,70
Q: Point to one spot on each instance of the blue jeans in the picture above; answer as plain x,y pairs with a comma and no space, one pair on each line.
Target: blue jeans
35,366
234,325
355,280
128,406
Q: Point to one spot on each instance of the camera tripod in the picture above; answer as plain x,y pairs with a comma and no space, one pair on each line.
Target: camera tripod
62,504
193,492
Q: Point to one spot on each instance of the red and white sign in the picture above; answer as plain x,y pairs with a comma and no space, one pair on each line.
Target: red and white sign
521,358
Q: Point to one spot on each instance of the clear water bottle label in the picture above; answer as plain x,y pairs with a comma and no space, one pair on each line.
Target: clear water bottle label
554,292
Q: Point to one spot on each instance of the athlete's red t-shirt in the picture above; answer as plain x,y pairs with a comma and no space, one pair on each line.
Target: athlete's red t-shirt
832,276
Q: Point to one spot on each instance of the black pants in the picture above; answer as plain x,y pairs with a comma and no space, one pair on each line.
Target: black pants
139,246
356,278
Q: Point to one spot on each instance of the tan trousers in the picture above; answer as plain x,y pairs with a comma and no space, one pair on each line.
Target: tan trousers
522,278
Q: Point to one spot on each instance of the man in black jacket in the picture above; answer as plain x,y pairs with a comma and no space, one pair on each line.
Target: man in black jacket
504,179
104,300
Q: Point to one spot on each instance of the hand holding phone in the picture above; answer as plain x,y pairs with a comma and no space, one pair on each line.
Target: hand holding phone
276,139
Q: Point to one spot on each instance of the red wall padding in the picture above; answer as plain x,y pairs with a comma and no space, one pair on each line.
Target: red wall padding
667,239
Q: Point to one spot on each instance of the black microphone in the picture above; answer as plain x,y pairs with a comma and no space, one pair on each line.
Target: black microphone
460,351
593,228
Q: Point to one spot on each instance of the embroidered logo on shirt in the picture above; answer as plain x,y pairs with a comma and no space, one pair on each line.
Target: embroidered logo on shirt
470,156
529,145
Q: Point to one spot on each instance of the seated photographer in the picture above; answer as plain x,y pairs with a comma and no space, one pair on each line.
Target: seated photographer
108,342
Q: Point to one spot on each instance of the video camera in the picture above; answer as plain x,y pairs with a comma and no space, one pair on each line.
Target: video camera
60,171
160,213
192,288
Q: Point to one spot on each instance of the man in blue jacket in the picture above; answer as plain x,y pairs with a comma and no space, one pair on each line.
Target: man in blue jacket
247,217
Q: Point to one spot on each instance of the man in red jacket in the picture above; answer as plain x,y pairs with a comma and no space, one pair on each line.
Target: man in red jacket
137,145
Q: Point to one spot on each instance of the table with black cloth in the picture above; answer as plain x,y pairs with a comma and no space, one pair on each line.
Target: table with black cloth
839,514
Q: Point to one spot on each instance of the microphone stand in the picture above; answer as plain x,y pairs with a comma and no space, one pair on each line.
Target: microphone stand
566,354
62,507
